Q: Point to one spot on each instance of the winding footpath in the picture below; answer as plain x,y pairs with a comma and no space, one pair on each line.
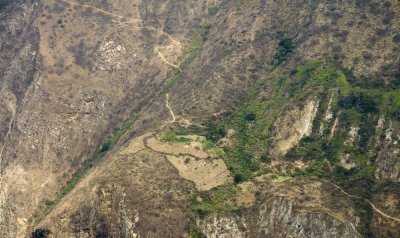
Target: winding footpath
372,205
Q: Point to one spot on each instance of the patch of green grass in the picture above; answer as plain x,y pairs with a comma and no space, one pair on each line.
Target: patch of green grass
171,137
207,144
216,151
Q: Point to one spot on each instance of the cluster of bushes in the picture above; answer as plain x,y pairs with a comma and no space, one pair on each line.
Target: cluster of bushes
286,47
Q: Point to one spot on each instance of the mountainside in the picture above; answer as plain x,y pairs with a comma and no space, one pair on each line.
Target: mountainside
213,118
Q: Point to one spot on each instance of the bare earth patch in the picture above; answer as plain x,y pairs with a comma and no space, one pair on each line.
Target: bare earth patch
206,174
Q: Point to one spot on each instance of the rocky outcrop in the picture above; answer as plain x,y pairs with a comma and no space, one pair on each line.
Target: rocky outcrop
279,218
222,225
293,124
282,212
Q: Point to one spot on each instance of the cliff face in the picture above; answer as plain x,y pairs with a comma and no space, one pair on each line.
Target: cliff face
187,118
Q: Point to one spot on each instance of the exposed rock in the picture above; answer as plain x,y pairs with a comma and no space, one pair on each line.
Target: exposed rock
352,135
347,162
279,218
222,225
292,125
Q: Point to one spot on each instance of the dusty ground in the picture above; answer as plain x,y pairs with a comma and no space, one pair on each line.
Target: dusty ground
206,174
192,161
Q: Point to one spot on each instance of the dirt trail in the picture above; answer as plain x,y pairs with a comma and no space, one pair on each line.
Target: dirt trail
125,20
372,205
170,109
166,61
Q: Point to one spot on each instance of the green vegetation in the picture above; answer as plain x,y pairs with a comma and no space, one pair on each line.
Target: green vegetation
171,137
286,47
391,103
197,40
265,159
171,82
252,123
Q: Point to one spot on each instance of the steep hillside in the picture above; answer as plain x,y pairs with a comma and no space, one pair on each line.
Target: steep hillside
246,118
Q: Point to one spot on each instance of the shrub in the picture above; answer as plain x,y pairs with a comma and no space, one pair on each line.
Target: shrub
250,117
286,46
238,178
265,159
50,203
215,133
106,146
